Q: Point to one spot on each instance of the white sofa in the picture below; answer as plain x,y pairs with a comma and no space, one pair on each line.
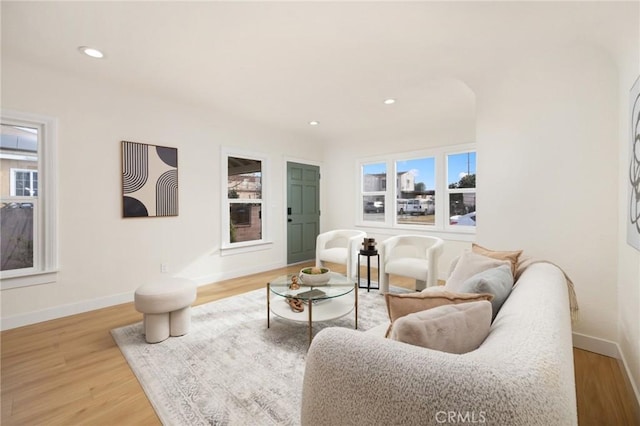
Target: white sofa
522,374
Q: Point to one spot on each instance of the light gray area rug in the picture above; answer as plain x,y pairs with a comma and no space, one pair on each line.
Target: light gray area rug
230,369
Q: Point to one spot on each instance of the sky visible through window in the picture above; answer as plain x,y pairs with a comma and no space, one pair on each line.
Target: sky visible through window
424,168
460,165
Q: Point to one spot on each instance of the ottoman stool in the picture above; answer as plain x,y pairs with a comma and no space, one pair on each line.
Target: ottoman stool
166,306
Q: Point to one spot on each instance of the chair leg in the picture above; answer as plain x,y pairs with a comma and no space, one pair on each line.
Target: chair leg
384,282
420,285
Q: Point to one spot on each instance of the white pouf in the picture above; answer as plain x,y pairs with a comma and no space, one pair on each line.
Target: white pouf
166,306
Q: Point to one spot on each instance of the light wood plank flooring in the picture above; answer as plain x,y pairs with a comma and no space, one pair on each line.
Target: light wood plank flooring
69,371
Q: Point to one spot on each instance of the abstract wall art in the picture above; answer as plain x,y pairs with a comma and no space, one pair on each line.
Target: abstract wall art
149,180
633,224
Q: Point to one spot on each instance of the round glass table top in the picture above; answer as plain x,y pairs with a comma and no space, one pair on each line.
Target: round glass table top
338,285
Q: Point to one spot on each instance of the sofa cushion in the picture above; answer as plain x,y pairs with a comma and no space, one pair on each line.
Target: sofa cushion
497,281
399,305
455,329
468,265
511,256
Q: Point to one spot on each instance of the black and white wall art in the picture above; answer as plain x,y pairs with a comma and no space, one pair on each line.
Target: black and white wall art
149,180
633,225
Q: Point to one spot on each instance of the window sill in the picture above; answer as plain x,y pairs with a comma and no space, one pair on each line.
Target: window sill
27,280
245,248
467,235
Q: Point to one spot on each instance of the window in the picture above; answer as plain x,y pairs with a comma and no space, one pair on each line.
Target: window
28,205
374,186
415,191
243,218
433,190
461,188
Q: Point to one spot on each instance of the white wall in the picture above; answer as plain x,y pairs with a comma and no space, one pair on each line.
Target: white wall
104,257
547,131
628,257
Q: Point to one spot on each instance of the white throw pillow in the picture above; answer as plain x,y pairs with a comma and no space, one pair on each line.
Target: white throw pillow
455,329
468,265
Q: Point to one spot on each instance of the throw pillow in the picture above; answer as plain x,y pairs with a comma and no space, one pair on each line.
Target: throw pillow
511,256
497,281
468,265
401,304
451,328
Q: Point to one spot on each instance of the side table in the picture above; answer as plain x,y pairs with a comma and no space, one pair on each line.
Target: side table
368,254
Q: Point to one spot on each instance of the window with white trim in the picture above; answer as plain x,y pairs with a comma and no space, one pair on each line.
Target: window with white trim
461,188
28,252
432,190
243,218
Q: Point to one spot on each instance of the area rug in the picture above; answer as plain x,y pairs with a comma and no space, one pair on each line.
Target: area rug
230,369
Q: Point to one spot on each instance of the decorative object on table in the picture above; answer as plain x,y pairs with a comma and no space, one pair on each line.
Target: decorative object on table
294,283
149,180
314,276
295,303
369,245
309,294
633,224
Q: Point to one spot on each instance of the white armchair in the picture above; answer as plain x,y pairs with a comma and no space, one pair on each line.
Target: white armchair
339,246
414,256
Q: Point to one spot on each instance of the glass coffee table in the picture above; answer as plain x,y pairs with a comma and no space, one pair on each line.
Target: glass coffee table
329,301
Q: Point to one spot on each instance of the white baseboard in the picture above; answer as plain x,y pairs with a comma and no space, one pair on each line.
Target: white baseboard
64,311
117,299
597,345
240,272
610,349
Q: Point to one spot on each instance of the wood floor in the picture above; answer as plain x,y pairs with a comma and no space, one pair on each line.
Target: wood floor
69,371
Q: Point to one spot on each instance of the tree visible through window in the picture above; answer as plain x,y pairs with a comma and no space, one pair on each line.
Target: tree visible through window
461,170
433,190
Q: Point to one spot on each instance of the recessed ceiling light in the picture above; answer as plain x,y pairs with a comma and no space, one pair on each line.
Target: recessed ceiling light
389,101
90,51
314,123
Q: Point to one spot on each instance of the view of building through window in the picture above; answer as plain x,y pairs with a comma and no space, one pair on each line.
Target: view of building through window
415,191
19,195
374,186
440,183
244,193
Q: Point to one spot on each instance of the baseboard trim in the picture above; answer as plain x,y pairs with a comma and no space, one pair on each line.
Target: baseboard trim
64,311
610,349
56,312
597,345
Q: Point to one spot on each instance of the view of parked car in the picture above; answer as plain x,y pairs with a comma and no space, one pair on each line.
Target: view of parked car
468,219
374,207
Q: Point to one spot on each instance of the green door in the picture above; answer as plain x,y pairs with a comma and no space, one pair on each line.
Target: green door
303,211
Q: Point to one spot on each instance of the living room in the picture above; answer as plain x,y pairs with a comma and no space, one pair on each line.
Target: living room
539,93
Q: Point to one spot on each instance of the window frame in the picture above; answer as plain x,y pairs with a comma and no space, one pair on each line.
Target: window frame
441,225
449,191
226,246
45,244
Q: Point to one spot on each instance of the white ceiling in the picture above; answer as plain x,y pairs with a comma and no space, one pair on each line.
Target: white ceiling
284,64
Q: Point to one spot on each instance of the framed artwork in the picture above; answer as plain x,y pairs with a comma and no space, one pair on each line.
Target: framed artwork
149,180
633,225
